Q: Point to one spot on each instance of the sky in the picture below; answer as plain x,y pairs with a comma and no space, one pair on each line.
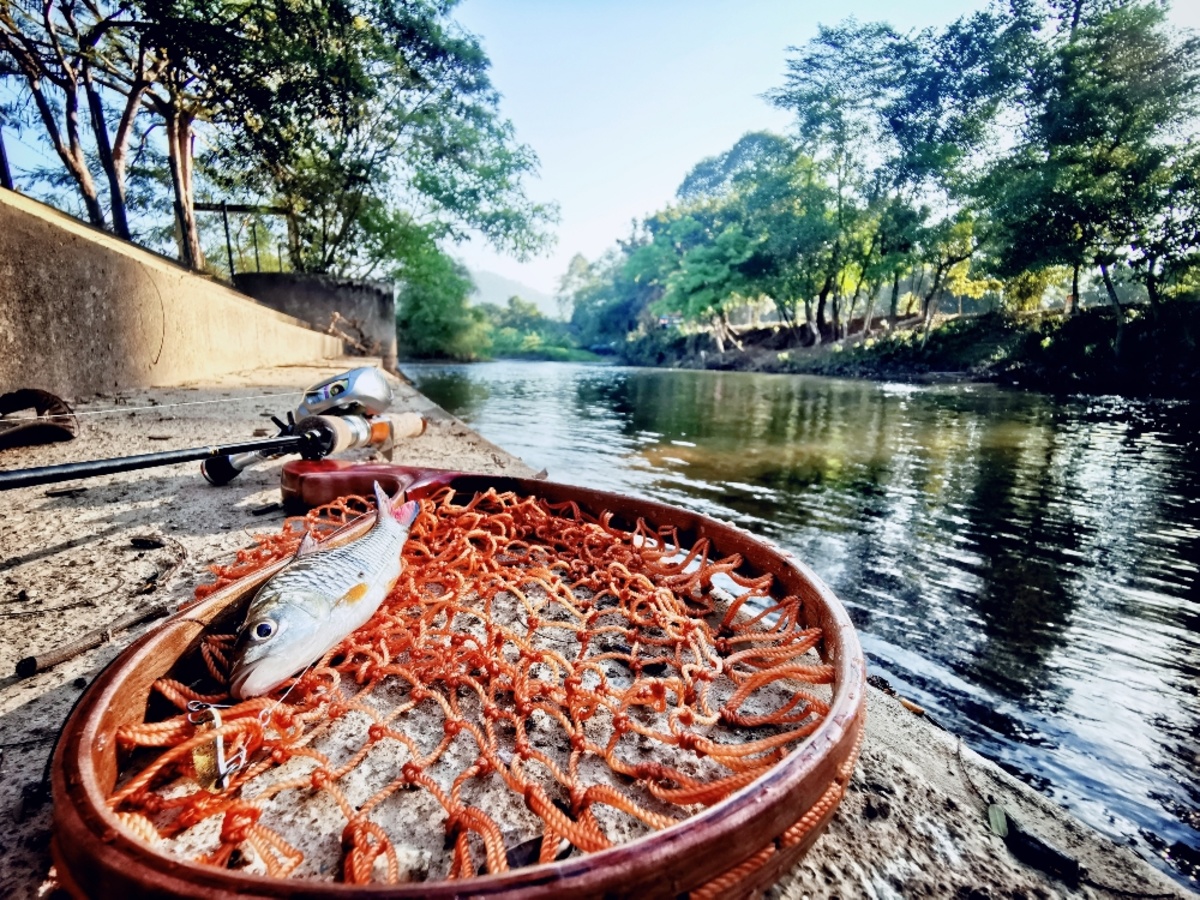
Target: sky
621,98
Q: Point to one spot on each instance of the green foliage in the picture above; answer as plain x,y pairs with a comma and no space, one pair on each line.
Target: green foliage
519,330
420,140
1157,356
371,125
1025,290
1104,170
433,319
1020,148
611,298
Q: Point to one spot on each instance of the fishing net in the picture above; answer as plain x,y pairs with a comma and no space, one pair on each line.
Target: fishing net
538,683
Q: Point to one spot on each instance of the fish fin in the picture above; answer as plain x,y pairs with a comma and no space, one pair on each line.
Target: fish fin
353,595
407,514
308,544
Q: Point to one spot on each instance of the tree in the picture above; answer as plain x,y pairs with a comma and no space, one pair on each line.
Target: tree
366,121
610,297
775,197
425,136
59,52
710,278
1111,98
264,77
1165,249
835,88
433,318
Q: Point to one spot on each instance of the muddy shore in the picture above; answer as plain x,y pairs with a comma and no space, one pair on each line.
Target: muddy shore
914,822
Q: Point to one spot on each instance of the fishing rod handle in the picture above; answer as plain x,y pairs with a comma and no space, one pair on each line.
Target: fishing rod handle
19,478
323,436
338,433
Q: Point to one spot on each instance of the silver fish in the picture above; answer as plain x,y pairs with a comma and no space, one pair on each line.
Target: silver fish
317,599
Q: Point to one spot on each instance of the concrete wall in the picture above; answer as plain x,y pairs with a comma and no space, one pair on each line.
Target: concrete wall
362,310
82,312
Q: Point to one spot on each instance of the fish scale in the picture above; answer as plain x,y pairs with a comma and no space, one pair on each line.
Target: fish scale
348,566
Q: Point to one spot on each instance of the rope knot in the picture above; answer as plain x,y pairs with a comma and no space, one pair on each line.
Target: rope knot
235,828
410,772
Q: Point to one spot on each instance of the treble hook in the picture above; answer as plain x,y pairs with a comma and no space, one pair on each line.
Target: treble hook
200,712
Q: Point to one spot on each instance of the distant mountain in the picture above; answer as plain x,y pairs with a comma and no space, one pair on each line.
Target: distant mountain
493,288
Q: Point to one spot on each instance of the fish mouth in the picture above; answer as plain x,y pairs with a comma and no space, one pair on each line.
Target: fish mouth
244,684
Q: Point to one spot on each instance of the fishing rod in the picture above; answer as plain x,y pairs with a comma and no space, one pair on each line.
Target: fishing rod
339,413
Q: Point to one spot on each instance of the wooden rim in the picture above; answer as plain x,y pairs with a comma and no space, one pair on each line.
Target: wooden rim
100,858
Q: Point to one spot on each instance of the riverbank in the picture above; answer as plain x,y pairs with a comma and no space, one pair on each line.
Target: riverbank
1041,351
914,821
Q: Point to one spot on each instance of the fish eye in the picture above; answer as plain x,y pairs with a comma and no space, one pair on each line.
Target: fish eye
264,630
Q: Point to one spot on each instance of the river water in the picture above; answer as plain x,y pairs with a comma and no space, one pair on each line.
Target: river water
1027,568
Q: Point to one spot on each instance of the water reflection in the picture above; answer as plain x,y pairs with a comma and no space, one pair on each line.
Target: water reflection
1026,568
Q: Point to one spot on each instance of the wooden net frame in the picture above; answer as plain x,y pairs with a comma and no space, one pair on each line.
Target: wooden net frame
514,611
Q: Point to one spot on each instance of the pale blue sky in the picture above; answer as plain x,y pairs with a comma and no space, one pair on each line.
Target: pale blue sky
620,98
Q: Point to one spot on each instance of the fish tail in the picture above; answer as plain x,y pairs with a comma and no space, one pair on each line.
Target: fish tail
383,503
407,514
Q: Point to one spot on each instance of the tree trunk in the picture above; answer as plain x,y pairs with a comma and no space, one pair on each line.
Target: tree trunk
116,180
1116,302
70,152
854,305
1152,289
730,333
179,153
1072,303
920,284
930,307
872,294
822,297
33,68
5,175
895,295
717,334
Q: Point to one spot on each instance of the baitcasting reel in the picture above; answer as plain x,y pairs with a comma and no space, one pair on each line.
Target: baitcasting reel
339,413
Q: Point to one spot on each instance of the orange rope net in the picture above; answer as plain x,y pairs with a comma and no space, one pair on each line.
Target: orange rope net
536,678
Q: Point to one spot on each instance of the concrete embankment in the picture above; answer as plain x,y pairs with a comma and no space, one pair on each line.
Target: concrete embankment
82,311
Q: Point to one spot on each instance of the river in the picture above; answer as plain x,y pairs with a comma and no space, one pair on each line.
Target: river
1027,568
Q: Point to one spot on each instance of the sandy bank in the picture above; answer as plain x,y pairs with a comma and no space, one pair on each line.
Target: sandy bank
914,822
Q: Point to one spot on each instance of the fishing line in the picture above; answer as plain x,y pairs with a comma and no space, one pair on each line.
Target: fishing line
265,716
159,406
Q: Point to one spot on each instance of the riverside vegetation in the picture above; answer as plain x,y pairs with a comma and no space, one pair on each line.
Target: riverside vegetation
1043,350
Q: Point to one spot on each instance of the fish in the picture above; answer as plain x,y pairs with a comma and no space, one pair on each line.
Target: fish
320,597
